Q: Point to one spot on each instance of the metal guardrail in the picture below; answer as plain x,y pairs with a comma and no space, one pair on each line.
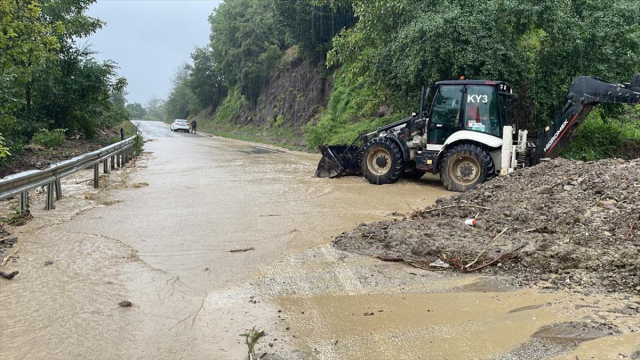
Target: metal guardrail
112,156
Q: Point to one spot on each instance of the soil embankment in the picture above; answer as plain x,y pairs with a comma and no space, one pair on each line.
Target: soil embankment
565,224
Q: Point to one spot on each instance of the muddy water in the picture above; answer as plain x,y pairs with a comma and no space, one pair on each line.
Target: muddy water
160,235
340,306
164,245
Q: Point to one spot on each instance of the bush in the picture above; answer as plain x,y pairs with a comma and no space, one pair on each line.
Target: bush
600,138
4,151
229,107
49,139
350,112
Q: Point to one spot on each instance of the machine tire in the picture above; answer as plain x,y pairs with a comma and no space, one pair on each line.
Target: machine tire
410,172
382,161
465,166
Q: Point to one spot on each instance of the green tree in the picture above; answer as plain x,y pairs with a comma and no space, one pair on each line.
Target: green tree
75,93
247,43
312,26
26,44
206,84
136,111
155,109
536,46
181,101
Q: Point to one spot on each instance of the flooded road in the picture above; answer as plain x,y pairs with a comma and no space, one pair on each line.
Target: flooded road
160,234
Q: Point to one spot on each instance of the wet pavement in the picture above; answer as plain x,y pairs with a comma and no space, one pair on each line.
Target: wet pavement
160,234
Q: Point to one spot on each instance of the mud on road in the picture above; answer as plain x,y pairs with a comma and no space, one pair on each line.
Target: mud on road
565,224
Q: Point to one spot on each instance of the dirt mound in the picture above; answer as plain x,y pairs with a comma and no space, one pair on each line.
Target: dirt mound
571,224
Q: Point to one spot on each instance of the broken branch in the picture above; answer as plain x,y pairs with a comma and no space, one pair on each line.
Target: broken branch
10,275
6,258
496,259
485,248
452,206
241,250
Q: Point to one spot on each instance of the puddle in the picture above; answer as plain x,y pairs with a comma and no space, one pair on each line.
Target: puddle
569,333
444,325
259,150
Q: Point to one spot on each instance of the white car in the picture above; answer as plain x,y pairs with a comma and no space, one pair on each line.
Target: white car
180,124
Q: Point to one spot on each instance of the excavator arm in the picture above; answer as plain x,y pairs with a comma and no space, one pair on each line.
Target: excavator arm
584,93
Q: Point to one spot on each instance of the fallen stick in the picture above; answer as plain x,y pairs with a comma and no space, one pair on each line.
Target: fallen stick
452,206
485,248
629,235
241,250
6,258
389,258
10,275
496,259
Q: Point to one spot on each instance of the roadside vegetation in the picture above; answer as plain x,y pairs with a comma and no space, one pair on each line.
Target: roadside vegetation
52,88
378,53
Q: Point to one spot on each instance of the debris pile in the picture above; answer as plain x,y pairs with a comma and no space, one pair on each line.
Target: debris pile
566,223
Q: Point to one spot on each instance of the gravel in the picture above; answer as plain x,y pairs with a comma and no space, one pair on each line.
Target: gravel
564,224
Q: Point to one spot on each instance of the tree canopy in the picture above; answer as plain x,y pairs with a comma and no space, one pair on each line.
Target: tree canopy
536,46
47,80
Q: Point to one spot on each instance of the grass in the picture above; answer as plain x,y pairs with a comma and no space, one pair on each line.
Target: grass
275,132
600,138
251,339
348,113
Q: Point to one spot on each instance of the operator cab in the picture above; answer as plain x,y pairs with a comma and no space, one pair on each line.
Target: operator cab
473,105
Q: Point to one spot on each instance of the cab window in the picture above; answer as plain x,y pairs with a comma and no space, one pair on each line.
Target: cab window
481,110
446,105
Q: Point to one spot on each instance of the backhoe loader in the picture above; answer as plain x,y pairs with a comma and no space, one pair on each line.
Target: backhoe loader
466,135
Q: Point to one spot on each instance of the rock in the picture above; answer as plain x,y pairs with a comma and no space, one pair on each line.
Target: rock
545,190
440,264
544,277
124,303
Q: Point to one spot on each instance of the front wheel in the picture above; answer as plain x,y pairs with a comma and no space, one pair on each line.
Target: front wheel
382,161
465,166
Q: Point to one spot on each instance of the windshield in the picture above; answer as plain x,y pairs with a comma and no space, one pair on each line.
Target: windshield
481,112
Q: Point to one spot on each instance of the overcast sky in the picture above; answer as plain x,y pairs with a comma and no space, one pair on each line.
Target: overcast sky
149,39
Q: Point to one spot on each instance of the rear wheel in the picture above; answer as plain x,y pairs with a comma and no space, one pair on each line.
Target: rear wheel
465,166
382,161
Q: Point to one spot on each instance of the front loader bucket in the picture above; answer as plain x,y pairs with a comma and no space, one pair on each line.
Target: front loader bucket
338,160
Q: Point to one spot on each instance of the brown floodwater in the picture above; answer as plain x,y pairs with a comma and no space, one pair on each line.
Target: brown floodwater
159,234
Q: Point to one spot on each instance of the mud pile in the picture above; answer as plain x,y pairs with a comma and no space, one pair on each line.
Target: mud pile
564,223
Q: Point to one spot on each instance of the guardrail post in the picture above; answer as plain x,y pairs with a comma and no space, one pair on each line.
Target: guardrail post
58,187
106,166
113,162
118,159
126,156
24,201
96,175
50,199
